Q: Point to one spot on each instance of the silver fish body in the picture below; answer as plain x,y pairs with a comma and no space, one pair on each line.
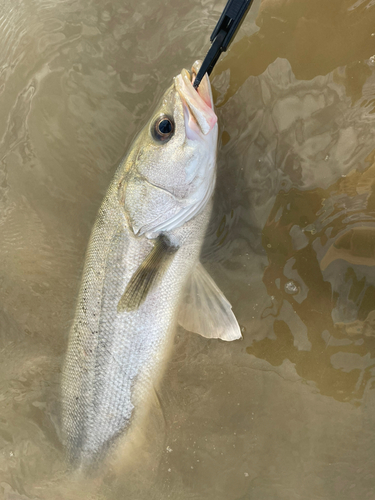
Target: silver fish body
114,360
115,357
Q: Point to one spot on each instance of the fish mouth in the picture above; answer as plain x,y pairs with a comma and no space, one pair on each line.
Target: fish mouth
198,104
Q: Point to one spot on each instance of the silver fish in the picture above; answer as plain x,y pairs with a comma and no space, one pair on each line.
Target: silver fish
142,274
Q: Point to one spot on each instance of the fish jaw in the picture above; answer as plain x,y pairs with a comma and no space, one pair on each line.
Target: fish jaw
198,104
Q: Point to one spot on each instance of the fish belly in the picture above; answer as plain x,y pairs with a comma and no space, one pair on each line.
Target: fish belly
115,359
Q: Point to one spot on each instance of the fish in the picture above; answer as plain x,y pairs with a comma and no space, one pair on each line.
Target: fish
142,275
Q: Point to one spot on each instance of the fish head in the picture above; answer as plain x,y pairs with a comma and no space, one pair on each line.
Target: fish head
173,168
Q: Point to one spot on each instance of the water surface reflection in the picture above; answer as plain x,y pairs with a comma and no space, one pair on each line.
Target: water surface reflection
288,413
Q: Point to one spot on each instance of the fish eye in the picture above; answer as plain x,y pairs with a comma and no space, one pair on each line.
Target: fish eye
163,129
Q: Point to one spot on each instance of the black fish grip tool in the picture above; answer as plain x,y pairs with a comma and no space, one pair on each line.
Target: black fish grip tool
230,20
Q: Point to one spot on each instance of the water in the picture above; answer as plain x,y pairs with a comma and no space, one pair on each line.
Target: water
287,413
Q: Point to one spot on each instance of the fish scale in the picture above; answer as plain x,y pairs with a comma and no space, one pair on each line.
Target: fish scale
143,250
113,371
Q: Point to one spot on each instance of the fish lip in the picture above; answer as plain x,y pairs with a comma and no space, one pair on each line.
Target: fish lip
197,103
204,89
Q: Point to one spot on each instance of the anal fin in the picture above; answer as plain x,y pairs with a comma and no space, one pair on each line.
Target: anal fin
205,310
148,274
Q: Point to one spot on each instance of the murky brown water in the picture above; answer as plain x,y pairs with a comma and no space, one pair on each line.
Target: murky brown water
289,412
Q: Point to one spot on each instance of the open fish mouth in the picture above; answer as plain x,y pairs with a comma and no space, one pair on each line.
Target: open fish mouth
198,104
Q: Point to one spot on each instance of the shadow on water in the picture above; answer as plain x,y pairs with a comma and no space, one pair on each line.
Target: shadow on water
308,129
315,37
287,413
340,358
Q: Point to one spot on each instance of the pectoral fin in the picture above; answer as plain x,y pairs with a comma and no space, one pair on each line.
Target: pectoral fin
205,310
148,274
